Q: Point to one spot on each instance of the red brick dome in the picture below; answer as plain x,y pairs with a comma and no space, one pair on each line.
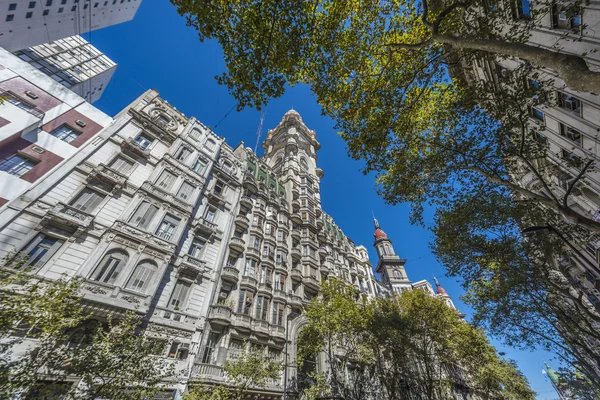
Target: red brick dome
380,234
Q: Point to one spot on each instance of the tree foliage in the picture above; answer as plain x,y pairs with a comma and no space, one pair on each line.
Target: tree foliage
52,347
412,346
252,370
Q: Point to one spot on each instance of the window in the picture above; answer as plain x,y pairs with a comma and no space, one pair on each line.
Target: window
179,351
255,242
183,154
88,200
571,159
167,227
110,267
278,311
166,180
250,267
14,100
210,144
219,188
571,134
29,14
304,164
197,248
265,275
12,6
569,103
143,215
200,166
60,10
211,214
185,191
10,17
210,345
568,17
279,281
39,250
32,4
262,307
179,296
96,5
257,220
522,9
141,277
16,165
46,12
65,133
537,114
121,164
143,141
245,302
73,8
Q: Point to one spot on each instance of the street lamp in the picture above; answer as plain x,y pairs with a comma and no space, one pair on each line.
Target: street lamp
291,316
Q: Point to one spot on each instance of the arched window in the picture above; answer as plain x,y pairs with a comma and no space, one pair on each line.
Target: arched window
142,275
279,160
304,164
210,144
227,166
110,267
397,274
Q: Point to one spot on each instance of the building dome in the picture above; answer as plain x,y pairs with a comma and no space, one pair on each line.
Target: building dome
440,290
380,234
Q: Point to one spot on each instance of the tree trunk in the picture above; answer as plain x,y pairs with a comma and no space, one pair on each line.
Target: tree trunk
572,69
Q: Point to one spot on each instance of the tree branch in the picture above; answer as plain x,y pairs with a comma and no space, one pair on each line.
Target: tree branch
572,185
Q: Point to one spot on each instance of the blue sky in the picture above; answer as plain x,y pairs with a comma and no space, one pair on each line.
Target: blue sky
157,51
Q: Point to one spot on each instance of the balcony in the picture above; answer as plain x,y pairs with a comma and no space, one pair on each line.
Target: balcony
296,274
296,234
295,301
265,287
163,195
242,222
230,275
175,317
279,294
69,218
108,175
324,269
296,218
241,321
216,198
246,203
208,372
250,183
132,147
361,272
203,226
253,251
321,236
323,252
311,281
220,315
296,254
319,223
261,328
295,204
237,244
191,266
249,281
277,332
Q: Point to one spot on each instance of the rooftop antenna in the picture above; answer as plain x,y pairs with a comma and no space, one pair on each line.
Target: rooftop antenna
259,130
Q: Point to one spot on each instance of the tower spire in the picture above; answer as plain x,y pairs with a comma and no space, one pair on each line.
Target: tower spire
438,287
375,220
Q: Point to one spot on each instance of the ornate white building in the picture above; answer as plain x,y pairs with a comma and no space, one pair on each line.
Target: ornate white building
215,246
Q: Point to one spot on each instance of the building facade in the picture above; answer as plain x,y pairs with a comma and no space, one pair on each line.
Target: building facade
74,63
218,248
41,125
28,23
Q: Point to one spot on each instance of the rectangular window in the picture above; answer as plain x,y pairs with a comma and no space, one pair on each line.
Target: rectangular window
60,10
185,191
167,227
29,14
572,134
14,100
245,302
278,311
183,154
166,180
571,159
88,200
179,296
262,307
12,6
197,248
65,133
39,250
279,281
211,214
200,166
46,12
16,165
250,267
569,103
121,164
219,188
10,17
32,4
143,141
143,215
537,114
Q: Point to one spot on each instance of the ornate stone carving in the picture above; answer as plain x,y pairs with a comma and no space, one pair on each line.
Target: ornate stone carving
131,299
95,289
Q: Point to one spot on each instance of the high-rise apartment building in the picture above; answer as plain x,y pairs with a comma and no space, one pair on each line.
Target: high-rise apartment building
41,125
25,23
218,247
74,63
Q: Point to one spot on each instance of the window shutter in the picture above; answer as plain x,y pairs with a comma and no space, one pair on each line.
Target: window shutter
185,192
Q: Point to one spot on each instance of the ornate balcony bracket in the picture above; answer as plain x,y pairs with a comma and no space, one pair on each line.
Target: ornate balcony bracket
68,218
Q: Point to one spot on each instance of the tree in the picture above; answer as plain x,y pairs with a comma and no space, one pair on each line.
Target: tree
250,371
50,342
410,347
